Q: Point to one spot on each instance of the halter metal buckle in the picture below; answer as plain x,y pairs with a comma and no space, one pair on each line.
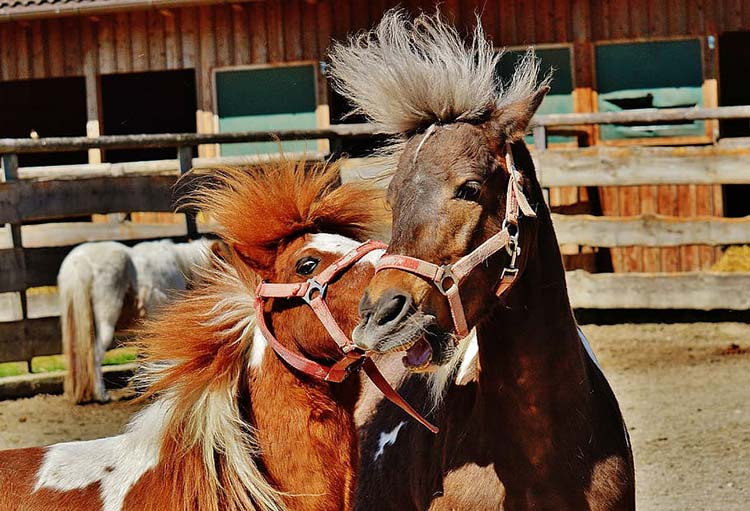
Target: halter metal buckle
314,286
509,272
446,275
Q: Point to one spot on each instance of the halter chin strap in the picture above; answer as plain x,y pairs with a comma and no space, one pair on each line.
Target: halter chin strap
448,277
313,292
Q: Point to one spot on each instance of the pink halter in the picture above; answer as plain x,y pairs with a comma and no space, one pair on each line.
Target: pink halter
448,277
313,292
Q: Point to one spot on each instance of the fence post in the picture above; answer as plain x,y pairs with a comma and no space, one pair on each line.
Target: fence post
185,157
10,173
540,143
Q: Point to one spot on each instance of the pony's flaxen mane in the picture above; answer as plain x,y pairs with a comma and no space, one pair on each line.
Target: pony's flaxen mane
262,208
406,75
208,335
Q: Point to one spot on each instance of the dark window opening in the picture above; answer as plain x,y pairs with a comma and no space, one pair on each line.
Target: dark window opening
54,107
736,200
734,69
152,102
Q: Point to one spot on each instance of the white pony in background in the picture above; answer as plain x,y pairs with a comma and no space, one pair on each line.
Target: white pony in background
106,286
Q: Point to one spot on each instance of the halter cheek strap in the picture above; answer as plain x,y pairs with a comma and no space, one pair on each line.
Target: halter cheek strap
313,292
447,278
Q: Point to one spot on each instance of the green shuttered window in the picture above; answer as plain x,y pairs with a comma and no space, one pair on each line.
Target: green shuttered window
266,99
654,74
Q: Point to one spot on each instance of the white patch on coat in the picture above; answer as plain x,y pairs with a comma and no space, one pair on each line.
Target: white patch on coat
258,348
468,360
115,463
461,366
387,439
337,244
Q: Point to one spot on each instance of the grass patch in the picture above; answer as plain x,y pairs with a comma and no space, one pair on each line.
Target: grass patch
12,369
54,363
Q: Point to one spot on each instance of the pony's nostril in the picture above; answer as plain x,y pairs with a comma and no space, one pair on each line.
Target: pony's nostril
391,309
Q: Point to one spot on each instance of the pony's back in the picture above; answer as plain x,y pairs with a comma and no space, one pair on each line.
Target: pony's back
164,267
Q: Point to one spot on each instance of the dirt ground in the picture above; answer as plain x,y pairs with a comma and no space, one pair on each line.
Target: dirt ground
684,390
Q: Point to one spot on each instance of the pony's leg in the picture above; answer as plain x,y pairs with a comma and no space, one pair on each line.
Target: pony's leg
108,308
105,334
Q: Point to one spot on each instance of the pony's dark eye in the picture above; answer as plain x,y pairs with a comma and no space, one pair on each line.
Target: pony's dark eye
470,190
307,265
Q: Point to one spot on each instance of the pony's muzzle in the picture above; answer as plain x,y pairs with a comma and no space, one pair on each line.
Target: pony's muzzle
381,319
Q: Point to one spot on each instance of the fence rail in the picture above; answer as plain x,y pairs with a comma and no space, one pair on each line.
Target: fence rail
45,194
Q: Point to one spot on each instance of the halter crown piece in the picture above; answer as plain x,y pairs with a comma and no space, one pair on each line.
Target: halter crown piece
313,292
448,277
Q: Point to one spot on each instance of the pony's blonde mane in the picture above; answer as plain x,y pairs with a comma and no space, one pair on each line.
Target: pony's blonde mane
207,337
405,75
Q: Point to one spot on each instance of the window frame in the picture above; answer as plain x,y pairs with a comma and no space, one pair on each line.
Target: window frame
705,138
322,116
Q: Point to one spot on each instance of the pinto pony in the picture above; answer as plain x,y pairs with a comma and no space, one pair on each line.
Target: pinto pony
106,286
230,426
527,419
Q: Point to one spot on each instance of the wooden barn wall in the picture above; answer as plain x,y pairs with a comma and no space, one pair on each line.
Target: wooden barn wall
278,31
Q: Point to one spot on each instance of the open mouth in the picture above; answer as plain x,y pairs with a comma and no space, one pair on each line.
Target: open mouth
424,344
418,356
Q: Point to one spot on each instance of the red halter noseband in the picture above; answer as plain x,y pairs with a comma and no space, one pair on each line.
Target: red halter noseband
448,277
313,292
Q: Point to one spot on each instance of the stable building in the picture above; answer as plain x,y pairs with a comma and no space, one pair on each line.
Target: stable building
109,67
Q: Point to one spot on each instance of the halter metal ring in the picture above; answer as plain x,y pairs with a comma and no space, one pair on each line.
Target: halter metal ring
445,275
314,286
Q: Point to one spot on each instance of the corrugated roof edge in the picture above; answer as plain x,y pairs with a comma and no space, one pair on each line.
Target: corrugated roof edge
94,7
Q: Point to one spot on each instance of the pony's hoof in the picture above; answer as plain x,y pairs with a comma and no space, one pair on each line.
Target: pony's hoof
104,398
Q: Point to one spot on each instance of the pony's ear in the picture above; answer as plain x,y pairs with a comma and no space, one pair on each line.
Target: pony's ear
258,260
512,120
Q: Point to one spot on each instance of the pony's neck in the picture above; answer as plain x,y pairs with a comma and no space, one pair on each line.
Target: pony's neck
306,434
531,340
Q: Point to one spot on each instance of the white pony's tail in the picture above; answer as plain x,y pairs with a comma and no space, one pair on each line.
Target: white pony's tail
78,331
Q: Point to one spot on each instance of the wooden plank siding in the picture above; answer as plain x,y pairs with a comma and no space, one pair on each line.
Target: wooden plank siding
204,37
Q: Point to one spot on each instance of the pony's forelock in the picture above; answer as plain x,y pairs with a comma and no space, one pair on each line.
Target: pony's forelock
405,75
261,208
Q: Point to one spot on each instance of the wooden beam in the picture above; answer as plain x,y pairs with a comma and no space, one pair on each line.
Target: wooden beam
89,170
10,178
22,201
73,233
28,385
63,144
12,274
626,166
24,340
645,115
692,290
59,144
650,230
185,158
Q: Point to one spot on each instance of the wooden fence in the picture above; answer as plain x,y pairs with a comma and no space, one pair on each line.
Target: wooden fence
47,194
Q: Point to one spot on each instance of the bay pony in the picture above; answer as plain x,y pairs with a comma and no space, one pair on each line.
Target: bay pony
527,419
